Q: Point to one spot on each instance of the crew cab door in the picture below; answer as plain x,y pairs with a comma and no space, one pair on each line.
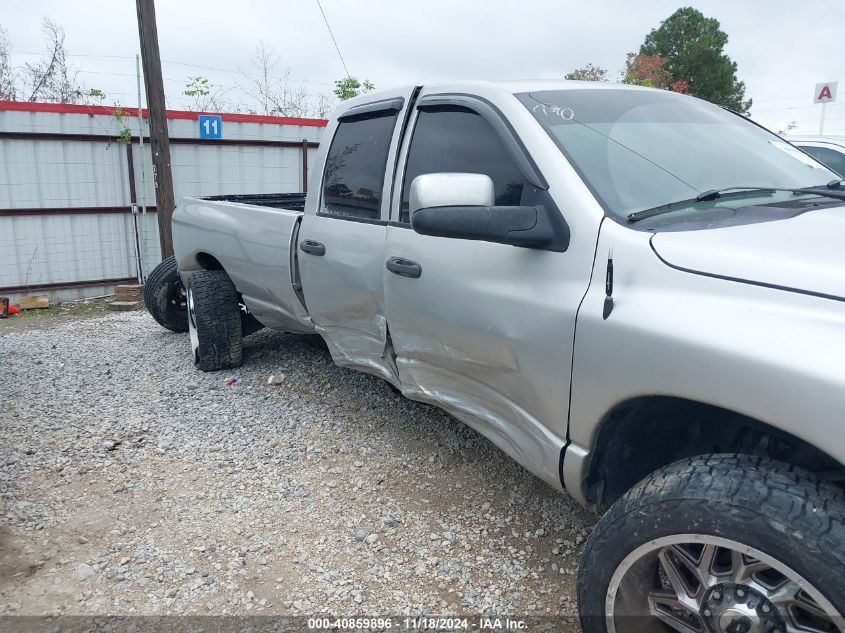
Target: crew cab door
481,329
341,240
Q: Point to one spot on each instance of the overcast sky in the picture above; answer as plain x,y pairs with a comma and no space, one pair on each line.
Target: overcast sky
782,49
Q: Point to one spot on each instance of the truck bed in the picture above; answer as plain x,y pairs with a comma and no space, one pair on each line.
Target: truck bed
253,238
291,201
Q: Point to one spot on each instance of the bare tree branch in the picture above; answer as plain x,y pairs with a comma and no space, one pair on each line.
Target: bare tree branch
39,75
53,78
7,74
274,94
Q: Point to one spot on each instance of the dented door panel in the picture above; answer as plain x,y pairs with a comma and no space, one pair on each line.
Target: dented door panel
343,286
344,291
486,333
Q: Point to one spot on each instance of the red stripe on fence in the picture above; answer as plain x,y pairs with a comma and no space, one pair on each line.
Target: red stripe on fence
234,117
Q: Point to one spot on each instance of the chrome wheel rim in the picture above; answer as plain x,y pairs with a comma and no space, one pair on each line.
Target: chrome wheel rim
192,327
695,583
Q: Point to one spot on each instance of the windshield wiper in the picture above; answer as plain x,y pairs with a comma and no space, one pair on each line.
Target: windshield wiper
711,194
829,190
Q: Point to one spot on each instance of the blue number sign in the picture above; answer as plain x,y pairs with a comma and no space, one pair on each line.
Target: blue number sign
211,126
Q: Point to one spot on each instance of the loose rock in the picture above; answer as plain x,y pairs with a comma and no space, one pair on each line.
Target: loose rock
195,498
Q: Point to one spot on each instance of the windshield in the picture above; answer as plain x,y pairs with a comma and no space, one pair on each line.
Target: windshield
639,149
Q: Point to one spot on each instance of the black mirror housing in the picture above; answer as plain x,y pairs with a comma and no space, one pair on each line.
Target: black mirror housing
524,226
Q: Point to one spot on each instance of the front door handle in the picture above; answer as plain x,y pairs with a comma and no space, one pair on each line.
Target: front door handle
312,247
404,267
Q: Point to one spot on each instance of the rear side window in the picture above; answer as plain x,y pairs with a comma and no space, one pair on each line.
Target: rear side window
354,176
830,158
455,139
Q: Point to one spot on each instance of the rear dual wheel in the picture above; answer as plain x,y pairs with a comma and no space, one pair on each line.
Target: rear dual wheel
718,544
165,297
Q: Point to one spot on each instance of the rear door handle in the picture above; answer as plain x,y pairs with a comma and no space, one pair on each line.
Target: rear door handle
404,267
313,248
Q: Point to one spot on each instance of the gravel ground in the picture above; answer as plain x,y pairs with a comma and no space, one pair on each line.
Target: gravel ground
133,484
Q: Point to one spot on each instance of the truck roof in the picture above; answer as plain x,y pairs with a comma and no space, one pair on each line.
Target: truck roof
512,86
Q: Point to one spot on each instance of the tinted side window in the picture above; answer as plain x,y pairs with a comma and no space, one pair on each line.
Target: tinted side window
459,140
354,174
828,157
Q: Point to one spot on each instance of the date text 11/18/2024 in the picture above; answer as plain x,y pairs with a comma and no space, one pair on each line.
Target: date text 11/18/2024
419,623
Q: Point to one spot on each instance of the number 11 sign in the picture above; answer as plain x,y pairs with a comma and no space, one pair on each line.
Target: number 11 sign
211,126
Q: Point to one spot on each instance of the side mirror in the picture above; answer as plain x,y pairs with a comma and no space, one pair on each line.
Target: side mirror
451,190
461,206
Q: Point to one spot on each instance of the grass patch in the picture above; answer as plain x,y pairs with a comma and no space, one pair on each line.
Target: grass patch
75,308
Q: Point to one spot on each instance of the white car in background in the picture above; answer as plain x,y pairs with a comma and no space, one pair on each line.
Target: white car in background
829,150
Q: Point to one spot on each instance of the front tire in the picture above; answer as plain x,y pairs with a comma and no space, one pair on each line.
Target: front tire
724,543
214,321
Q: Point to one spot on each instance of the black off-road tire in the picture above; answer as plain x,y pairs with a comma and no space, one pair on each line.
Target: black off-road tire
776,508
216,317
165,298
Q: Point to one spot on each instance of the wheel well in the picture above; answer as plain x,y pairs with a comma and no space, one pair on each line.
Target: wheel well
208,262
641,435
250,322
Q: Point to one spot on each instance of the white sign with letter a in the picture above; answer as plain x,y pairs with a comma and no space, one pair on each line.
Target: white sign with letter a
825,92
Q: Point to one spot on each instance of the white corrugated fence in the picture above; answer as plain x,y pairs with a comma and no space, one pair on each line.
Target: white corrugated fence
69,185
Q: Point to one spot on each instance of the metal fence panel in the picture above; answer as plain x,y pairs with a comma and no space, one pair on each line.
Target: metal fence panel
44,174
38,250
65,197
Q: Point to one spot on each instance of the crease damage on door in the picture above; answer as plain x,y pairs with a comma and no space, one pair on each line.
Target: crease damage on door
353,348
491,413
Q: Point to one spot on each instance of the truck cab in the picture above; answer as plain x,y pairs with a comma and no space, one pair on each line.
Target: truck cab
496,348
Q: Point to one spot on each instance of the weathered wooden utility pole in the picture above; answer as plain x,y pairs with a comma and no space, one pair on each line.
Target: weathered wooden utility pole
157,117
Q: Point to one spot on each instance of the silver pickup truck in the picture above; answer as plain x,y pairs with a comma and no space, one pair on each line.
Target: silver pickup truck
636,294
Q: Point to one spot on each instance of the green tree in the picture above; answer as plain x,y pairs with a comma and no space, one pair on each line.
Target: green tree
95,95
693,47
590,72
206,96
350,87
